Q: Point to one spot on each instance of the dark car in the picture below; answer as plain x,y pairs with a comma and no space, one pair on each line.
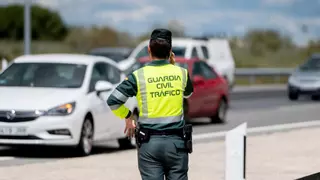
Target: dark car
117,54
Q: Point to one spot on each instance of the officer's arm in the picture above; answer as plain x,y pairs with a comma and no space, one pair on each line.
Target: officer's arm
189,88
116,101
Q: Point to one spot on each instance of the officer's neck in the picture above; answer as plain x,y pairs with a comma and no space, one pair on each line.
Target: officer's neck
156,59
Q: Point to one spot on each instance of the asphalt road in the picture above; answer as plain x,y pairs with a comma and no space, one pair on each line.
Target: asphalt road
256,112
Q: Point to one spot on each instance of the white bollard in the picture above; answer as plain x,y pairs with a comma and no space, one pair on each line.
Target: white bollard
236,153
4,64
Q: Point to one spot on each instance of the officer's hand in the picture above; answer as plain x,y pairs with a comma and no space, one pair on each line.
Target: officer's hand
172,58
130,127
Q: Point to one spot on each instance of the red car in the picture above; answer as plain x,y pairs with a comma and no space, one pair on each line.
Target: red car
211,94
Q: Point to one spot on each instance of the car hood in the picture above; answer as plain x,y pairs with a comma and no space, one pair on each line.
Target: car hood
19,98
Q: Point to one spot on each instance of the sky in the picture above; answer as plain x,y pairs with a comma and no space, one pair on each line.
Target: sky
198,17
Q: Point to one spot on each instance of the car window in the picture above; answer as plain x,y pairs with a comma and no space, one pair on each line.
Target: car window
179,51
204,70
98,73
197,69
54,75
205,52
113,74
143,53
194,53
312,63
207,71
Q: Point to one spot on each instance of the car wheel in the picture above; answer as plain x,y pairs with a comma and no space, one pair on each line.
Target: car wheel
293,96
85,145
221,113
315,97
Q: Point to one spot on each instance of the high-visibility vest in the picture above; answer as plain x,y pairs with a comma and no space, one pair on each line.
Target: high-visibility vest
160,93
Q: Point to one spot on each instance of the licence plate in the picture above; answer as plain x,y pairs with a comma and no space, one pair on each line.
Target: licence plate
13,131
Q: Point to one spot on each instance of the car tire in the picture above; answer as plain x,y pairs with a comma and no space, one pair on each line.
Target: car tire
293,96
85,145
315,97
221,113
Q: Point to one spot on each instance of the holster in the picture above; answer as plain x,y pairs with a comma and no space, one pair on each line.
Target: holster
142,136
187,136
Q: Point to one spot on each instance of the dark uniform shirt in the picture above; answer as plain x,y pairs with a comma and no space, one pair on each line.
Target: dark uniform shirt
129,88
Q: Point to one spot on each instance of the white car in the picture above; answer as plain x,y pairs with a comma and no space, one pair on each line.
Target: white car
60,100
216,52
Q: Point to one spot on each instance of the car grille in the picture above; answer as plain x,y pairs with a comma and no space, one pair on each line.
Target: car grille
20,116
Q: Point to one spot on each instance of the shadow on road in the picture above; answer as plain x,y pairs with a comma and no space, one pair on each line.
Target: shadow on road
50,152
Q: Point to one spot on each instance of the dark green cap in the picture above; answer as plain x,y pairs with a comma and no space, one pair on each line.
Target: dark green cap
162,34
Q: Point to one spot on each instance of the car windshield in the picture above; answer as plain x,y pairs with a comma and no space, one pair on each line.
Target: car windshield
311,64
53,75
138,65
179,51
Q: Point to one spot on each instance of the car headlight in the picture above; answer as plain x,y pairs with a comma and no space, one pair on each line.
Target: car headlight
61,110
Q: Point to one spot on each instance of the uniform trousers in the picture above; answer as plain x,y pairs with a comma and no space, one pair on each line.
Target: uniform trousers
164,156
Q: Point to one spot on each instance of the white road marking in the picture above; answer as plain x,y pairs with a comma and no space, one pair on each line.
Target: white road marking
263,129
6,158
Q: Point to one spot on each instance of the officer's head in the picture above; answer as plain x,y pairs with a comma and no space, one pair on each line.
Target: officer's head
160,44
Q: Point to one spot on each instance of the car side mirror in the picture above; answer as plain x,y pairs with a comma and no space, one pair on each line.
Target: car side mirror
103,86
198,79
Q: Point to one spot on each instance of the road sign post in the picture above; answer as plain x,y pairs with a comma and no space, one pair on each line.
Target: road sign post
27,26
236,153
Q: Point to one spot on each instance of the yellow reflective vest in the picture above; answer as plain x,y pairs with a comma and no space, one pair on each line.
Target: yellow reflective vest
160,91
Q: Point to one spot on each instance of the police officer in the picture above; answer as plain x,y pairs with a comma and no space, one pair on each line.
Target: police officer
159,88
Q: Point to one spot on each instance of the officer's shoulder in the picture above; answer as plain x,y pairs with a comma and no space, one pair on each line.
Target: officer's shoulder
179,67
136,71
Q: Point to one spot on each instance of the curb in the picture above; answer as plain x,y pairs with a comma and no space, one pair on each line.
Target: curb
255,131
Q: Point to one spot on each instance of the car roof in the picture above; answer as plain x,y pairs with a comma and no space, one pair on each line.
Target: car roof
178,59
183,42
62,58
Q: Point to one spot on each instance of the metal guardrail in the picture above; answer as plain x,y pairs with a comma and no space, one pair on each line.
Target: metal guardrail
252,73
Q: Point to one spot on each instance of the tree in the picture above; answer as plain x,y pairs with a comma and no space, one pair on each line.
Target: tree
86,39
313,47
46,24
266,40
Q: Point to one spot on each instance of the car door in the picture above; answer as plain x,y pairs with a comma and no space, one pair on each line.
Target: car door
98,105
211,85
197,107
115,125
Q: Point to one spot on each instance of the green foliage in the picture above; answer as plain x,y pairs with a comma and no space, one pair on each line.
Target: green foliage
258,48
46,24
260,41
313,47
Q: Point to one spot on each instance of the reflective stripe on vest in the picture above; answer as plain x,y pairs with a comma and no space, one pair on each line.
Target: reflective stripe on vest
160,97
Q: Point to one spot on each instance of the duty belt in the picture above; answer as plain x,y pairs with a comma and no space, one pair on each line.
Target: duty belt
178,132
